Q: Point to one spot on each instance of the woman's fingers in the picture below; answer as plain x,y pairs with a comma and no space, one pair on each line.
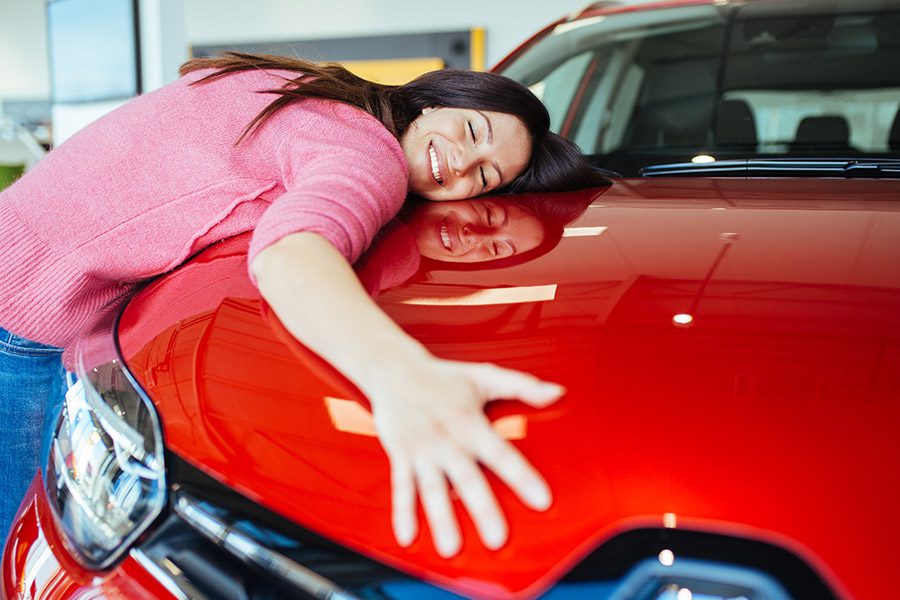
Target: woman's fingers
435,444
458,461
476,495
435,496
403,501
509,465
495,382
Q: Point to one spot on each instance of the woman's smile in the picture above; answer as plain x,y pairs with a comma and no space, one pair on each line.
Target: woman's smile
435,167
445,235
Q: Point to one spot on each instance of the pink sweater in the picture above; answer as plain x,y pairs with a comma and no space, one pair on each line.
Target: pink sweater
140,190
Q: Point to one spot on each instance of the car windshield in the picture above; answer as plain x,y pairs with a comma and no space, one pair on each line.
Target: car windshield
762,79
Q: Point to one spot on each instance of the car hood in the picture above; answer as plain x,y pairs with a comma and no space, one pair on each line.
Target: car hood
731,351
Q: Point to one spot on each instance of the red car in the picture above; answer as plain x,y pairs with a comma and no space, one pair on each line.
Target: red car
725,317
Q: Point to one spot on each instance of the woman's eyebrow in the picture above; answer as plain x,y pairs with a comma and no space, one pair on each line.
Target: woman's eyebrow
489,125
490,129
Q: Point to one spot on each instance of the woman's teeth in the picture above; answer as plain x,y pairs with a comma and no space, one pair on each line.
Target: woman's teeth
435,170
445,235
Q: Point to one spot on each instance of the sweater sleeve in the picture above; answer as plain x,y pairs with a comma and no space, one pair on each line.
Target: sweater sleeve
345,176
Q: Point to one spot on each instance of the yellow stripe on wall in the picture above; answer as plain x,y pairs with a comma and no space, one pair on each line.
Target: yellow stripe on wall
394,71
476,49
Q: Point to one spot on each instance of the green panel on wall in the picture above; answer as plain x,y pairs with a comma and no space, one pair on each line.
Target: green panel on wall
9,173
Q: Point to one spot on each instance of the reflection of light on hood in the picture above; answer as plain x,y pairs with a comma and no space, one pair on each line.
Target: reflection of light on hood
582,231
352,417
682,320
505,295
670,521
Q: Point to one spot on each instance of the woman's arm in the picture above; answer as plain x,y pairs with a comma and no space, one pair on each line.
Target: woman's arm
429,412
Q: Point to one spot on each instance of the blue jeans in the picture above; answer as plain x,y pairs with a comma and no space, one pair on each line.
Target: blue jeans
31,380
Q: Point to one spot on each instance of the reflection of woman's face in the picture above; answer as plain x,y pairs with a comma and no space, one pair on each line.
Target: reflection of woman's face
471,231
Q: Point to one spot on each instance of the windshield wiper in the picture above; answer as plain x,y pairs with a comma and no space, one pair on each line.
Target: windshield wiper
876,168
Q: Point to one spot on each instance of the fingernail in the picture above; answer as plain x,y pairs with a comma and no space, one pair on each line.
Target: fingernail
446,543
495,535
539,497
404,533
552,389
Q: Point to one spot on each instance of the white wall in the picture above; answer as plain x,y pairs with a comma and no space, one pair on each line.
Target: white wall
23,42
23,50
507,22
164,46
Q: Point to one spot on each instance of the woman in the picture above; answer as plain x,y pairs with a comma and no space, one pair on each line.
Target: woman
314,173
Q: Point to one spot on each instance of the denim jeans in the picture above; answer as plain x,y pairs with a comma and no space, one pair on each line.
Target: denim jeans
31,380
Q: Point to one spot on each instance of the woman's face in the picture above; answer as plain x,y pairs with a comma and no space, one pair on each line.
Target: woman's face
471,231
458,153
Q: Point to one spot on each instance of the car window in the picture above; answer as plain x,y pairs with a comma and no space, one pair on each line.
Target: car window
558,88
768,79
816,80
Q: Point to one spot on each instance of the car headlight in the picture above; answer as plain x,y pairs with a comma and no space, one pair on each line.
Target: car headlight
105,477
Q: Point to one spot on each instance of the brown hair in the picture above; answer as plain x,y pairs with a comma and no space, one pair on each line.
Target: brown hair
556,163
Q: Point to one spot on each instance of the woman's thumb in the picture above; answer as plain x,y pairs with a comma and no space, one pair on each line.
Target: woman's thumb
499,383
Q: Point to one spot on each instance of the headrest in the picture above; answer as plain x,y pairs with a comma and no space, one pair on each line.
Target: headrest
830,130
894,135
735,125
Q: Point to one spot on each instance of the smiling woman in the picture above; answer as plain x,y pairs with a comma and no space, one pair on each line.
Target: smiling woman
460,153
314,161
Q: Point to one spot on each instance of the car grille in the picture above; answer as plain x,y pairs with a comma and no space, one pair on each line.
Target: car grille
215,543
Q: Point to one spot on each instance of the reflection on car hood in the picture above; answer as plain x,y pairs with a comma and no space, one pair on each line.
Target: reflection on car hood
766,408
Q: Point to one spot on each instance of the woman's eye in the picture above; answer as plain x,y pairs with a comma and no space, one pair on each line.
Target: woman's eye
489,216
472,130
495,250
483,178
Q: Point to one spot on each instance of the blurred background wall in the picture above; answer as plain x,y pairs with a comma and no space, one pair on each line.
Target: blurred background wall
506,22
171,29
23,41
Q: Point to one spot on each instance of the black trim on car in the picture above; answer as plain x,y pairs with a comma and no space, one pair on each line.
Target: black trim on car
873,168
183,552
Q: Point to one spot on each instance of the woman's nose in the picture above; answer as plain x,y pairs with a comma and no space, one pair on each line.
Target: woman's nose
473,234
462,161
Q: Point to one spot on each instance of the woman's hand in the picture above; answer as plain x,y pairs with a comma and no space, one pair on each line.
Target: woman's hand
431,421
429,412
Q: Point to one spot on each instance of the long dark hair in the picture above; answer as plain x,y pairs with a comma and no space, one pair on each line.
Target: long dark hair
556,164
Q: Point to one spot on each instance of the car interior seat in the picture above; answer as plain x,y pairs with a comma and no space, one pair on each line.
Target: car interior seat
894,135
824,133
735,127
676,106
